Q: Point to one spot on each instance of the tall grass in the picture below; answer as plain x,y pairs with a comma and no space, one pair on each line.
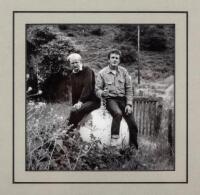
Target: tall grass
51,146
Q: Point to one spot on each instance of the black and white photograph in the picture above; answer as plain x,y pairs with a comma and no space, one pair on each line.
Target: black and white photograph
100,97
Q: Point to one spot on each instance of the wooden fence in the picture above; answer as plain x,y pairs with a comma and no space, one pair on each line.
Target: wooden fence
148,115
171,130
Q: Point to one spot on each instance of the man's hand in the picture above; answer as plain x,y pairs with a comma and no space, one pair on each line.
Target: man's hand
77,106
128,109
105,93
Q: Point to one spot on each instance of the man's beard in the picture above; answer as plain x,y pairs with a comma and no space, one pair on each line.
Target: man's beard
76,70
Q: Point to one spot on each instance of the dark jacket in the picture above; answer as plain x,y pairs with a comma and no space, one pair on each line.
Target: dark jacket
83,86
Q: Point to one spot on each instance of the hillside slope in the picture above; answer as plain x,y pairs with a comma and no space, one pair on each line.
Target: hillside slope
96,40
48,46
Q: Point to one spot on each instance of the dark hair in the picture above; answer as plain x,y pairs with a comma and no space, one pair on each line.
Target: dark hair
115,51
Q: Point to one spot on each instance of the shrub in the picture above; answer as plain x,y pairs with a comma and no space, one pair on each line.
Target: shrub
51,146
39,34
129,54
63,26
153,38
70,34
46,51
97,32
127,33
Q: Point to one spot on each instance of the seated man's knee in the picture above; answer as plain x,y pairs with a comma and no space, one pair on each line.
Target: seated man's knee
73,114
118,115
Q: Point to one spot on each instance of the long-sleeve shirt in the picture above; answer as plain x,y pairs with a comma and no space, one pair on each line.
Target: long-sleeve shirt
118,83
83,85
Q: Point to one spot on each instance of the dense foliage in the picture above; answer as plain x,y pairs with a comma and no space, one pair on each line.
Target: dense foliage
51,146
48,46
46,53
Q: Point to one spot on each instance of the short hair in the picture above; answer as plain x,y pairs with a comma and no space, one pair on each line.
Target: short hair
73,55
115,51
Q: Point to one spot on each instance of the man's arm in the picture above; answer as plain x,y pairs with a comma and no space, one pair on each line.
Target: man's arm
88,86
99,85
128,89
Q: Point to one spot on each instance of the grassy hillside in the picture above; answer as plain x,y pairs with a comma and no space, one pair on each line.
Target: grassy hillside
48,46
96,40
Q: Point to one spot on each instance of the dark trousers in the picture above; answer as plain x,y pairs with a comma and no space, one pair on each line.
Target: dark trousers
87,107
116,107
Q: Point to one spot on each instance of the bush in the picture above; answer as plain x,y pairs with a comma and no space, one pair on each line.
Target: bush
39,34
46,51
97,32
127,33
129,54
63,26
70,35
51,146
153,38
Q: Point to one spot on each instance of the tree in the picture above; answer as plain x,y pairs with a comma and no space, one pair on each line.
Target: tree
47,48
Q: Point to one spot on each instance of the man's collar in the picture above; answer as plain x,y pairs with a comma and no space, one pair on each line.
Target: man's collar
109,70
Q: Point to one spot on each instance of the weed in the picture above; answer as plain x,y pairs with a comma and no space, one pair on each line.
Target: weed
51,146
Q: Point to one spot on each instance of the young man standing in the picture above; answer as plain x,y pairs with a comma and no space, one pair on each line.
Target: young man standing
114,85
84,99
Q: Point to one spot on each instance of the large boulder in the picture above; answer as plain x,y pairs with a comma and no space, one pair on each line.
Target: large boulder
98,123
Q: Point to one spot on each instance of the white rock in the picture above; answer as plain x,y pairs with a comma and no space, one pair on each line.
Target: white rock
98,123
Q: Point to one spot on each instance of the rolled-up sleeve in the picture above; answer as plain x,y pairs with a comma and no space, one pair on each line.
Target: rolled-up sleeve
128,89
99,85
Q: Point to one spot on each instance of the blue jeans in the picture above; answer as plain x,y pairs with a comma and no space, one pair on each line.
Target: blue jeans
116,107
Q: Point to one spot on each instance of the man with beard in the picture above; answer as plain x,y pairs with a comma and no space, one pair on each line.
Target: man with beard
84,99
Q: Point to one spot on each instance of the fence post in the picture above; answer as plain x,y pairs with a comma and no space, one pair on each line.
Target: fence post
170,130
158,119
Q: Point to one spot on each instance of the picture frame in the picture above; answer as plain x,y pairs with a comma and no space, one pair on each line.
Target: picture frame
21,18
13,87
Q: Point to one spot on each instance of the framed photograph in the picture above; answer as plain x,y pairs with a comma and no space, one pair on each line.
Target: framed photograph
152,67
138,133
